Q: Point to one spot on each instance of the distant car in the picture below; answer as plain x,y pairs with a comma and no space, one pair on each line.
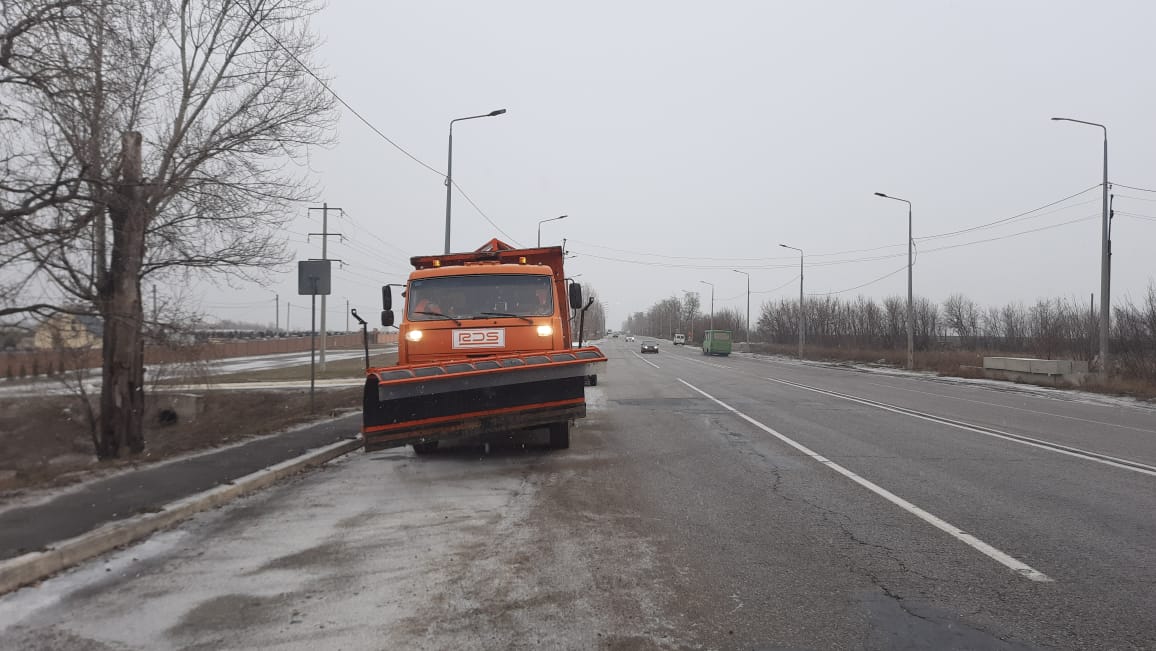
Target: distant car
680,340
629,338
615,335
650,346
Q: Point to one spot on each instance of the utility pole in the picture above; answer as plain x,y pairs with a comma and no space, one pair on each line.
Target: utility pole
347,315
324,256
277,313
748,306
154,305
910,304
802,311
1105,256
287,328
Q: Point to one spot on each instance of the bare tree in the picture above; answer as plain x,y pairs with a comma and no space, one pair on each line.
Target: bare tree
183,121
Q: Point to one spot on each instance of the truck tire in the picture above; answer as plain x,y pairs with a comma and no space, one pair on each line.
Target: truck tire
560,435
593,380
425,448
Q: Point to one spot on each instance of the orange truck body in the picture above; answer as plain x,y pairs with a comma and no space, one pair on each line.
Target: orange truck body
484,347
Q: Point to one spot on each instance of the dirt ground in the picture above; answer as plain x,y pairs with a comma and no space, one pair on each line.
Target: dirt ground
45,441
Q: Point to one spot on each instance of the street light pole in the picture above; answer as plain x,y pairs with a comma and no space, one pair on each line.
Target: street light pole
1105,256
748,306
711,302
552,219
910,306
802,311
450,168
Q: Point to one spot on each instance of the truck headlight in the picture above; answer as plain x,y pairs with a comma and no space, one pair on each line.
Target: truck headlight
545,330
413,335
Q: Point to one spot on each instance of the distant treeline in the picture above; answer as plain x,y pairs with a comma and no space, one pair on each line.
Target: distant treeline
1048,328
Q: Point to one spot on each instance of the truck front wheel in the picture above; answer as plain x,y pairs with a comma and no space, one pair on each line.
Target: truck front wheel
560,435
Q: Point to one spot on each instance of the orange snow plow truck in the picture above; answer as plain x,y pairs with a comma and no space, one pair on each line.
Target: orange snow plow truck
484,348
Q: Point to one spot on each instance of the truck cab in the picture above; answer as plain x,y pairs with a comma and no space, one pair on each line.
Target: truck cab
482,310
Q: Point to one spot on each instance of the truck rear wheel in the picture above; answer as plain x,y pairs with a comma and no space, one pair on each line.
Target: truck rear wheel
560,435
592,379
425,448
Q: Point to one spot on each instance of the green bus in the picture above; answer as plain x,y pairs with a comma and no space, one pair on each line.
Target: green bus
716,342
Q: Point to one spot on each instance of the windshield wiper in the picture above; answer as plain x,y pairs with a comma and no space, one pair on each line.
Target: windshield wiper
439,314
516,316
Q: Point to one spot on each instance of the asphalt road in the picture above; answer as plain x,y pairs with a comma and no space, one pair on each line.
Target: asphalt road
705,503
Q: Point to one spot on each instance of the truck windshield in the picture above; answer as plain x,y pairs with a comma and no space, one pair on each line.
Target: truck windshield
479,296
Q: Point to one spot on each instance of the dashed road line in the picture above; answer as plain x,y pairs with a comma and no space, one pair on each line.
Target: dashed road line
644,359
1017,566
1079,453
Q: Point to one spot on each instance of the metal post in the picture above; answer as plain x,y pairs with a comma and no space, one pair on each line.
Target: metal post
1105,271
324,256
802,305
450,168
1105,258
711,302
325,235
312,345
802,310
748,306
277,313
449,183
910,305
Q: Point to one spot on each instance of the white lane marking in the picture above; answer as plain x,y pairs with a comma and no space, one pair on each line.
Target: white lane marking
644,359
699,361
1023,409
1079,453
1004,559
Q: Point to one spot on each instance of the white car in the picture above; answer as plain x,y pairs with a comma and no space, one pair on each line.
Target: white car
680,340
629,338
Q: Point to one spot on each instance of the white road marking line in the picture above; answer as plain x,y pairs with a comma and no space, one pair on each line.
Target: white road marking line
1004,559
1079,453
699,361
644,359
1023,409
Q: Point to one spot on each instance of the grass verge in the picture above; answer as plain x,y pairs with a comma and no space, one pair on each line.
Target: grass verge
44,441
951,363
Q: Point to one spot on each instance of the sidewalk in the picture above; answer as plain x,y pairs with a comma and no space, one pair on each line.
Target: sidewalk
37,527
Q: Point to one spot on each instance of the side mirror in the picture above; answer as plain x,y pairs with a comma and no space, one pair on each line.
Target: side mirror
386,298
387,318
575,296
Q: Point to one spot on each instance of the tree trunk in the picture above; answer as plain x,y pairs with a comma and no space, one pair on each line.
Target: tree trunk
122,392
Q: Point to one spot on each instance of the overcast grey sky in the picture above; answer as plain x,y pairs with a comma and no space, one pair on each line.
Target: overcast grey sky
718,130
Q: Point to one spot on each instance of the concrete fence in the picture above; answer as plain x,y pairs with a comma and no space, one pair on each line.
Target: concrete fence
50,362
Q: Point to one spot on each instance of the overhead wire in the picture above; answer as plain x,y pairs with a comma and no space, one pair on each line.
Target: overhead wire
1130,187
341,100
1009,219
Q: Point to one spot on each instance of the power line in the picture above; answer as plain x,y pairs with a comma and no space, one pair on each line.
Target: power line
739,260
1136,215
483,214
1010,235
1130,187
851,289
369,124
1012,218
339,98
769,291
1125,196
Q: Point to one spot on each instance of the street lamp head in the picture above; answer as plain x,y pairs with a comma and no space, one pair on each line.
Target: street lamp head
880,194
563,216
497,112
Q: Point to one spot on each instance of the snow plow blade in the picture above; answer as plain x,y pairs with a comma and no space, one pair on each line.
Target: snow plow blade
442,401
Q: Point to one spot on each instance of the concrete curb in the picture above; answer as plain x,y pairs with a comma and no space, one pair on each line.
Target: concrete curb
32,567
